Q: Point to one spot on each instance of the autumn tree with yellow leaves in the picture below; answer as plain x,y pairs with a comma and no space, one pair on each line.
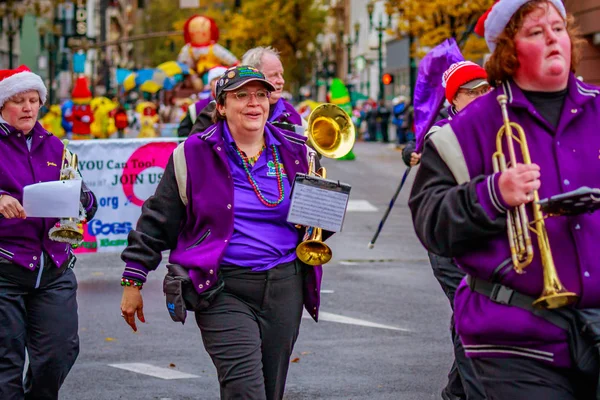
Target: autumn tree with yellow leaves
431,22
287,25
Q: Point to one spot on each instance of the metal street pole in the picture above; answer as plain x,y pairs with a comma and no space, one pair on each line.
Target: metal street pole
104,37
10,45
349,46
380,55
52,50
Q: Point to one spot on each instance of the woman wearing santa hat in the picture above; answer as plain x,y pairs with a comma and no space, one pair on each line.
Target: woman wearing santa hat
38,306
459,206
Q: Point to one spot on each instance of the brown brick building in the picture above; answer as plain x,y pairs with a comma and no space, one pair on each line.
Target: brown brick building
587,15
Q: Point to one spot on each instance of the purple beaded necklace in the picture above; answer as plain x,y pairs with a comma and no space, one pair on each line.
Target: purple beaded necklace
257,191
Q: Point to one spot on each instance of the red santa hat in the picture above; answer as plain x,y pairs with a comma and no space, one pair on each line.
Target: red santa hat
20,80
81,92
492,23
463,74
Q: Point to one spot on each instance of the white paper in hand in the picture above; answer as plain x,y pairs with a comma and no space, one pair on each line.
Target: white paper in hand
55,199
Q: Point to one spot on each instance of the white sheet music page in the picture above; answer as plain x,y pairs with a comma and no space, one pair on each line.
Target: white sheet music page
55,199
318,202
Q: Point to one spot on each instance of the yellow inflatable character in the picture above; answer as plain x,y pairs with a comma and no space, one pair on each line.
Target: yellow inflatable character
149,118
52,121
103,125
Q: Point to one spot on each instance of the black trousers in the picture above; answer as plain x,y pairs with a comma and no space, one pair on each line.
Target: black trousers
384,128
462,380
526,379
250,329
44,321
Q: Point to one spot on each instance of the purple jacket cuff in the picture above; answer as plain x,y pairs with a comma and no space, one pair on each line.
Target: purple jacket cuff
135,271
488,194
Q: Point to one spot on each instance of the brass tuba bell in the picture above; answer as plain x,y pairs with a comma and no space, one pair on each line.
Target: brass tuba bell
330,132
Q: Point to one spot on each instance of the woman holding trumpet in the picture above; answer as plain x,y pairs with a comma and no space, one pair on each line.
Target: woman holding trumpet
233,228
463,205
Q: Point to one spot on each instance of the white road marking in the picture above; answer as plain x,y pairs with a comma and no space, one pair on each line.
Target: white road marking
348,263
360,206
327,291
325,316
157,372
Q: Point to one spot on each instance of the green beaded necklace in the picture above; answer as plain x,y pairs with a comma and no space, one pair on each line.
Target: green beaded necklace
257,191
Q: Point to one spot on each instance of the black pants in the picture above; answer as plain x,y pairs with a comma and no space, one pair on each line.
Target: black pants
401,135
43,321
250,329
526,379
462,381
384,128
372,131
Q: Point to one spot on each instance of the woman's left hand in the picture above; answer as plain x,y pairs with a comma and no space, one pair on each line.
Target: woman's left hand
132,304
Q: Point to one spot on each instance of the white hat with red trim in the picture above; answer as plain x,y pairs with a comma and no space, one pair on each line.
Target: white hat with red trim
492,23
20,80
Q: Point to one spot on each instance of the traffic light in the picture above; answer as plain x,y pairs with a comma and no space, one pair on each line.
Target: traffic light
387,79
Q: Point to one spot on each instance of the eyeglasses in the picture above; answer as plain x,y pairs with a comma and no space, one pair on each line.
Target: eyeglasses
260,95
474,93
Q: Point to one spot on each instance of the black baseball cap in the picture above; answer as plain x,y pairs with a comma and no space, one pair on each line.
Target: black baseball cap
236,77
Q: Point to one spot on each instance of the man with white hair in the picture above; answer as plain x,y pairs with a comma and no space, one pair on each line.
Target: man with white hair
281,113
266,60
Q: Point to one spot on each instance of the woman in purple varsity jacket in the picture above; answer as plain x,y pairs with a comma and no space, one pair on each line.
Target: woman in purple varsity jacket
459,203
38,306
231,225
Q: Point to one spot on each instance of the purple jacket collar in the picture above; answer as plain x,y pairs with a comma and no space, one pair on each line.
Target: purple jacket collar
577,92
37,133
282,111
215,135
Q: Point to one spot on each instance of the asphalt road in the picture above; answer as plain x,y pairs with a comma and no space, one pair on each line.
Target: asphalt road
384,323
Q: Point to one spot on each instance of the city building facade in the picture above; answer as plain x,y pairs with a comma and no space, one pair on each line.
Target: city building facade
587,16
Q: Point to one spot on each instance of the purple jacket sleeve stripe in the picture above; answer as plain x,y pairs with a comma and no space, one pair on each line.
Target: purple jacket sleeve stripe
135,271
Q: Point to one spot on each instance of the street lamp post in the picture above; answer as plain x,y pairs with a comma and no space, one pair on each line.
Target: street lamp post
412,61
380,28
49,42
14,13
351,42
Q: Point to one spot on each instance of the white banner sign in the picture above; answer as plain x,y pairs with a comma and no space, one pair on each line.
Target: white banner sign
122,173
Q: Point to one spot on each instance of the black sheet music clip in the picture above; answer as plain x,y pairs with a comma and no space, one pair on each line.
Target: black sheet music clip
579,201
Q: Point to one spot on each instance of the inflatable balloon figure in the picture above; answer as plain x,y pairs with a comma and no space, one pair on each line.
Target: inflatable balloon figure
52,121
66,109
340,96
201,51
148,119
81,115
103,125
